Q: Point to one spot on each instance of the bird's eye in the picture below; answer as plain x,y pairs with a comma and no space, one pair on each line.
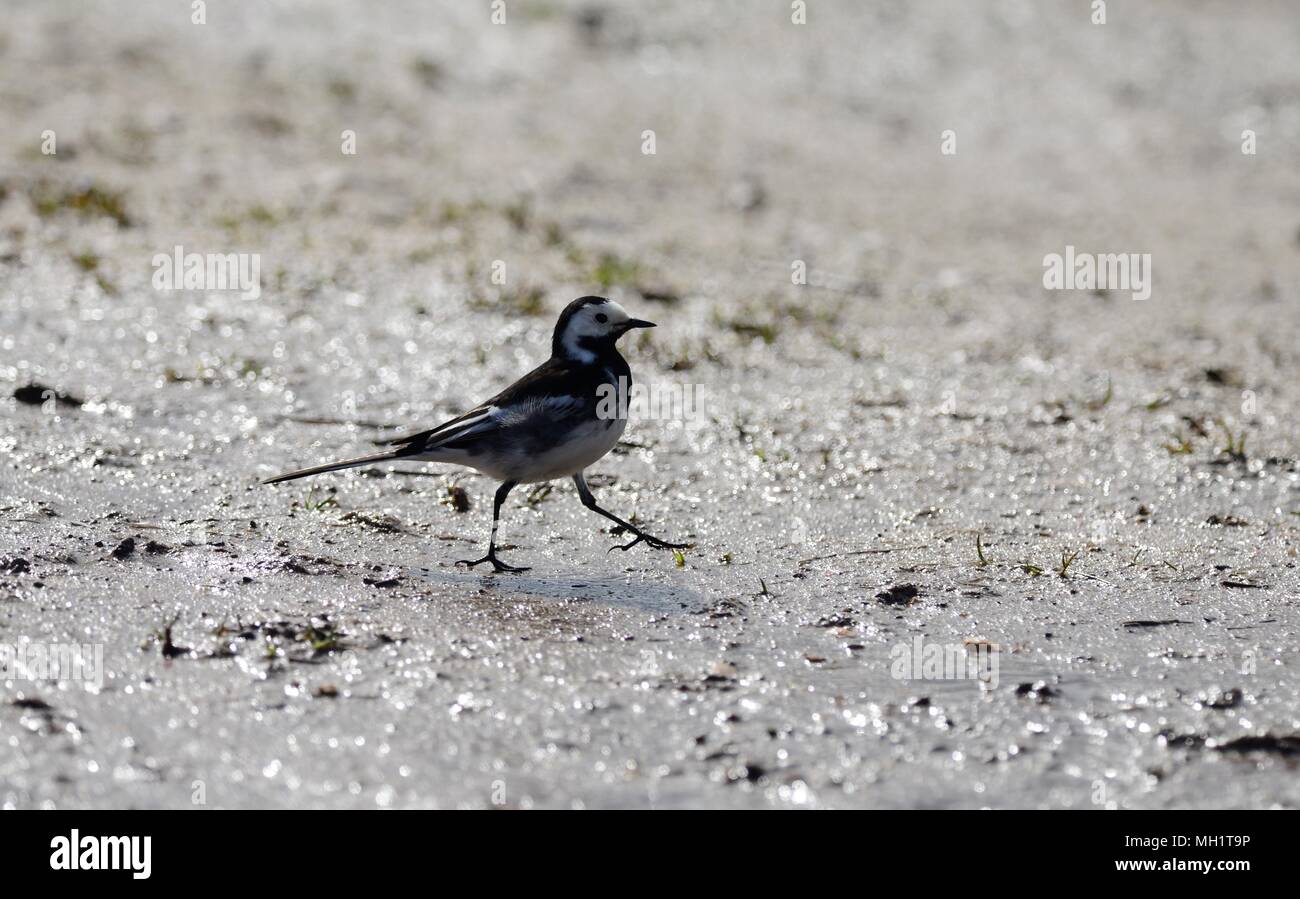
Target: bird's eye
602,317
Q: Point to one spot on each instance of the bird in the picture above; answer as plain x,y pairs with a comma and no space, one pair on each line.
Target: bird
552,423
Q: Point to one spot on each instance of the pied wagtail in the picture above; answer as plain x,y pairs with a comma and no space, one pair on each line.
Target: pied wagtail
543,426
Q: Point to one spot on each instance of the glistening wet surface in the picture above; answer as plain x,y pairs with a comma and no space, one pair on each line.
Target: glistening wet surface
919,443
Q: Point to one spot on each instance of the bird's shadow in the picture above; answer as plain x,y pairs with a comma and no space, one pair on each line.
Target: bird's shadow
605,589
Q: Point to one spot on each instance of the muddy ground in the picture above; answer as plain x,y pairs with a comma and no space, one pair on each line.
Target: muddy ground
1104,489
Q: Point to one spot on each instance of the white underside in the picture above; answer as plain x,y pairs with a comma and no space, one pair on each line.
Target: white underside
582,447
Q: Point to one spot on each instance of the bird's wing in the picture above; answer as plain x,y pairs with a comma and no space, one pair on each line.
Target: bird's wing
554,377
458,426
547,393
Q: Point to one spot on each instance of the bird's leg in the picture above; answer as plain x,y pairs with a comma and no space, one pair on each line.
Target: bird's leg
502,492
589,500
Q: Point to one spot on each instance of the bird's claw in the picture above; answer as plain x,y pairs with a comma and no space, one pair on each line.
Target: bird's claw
497,564
653,541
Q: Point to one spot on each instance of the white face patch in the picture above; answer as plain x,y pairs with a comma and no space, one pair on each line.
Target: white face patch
588,323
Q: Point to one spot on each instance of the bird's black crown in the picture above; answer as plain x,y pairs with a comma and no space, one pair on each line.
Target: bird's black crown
569,311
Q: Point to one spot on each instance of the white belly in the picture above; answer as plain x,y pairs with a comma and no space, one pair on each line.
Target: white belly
584,447
538,440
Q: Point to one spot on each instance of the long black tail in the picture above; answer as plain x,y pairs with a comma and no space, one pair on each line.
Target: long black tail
332,466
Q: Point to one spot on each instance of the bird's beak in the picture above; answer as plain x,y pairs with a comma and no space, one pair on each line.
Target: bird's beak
636,323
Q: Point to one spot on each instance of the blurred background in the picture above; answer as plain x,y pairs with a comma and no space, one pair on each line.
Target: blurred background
522,142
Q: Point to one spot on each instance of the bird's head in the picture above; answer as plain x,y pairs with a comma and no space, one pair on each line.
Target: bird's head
590,326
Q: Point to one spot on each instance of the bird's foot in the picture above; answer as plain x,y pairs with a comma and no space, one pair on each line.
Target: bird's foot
643,537
497,564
